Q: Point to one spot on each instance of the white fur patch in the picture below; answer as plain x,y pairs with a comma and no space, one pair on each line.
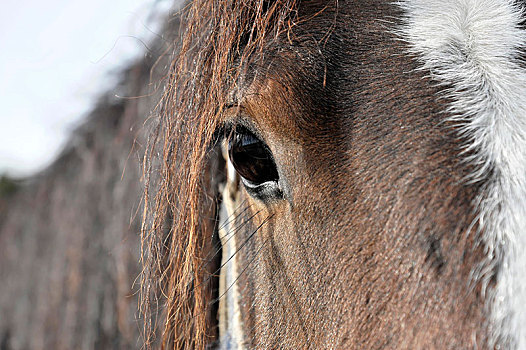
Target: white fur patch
472,46
231,334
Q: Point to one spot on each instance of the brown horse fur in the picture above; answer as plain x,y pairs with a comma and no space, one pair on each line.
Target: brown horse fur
372,245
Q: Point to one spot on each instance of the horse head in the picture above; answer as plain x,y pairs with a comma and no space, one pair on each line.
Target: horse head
342,175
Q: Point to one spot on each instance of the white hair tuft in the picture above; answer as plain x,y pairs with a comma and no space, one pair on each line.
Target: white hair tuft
473,48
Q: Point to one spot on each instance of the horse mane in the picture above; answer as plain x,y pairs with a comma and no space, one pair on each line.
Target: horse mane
218,38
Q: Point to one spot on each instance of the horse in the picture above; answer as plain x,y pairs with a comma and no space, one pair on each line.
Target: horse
339,174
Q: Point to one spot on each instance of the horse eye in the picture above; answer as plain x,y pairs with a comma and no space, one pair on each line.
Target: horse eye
251,158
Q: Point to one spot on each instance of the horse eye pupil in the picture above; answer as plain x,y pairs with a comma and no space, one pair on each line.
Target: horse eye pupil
251,158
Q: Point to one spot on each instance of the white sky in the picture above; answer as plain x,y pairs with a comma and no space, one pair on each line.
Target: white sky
55,56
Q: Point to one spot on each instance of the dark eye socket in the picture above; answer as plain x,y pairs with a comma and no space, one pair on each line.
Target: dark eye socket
251,158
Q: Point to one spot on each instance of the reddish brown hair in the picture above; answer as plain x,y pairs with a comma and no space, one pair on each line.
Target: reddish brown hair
218,38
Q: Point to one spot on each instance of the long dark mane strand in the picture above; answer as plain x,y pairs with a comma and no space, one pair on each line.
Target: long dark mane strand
218,37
